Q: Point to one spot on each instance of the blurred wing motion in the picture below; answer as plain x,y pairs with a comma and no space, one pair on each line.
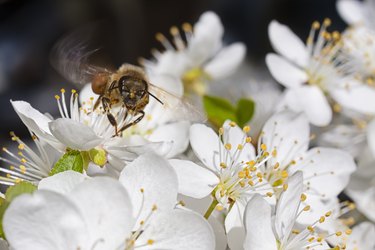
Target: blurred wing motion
70,58
177,109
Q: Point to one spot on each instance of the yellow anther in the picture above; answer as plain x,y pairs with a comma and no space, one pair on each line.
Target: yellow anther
251,163
277,165
57,97
311,229
284,174
242,183
303,197
160,37
23,160
327,22
21,146
150,242
241,174
319,239
18,180
228,146
307,208
62,91
263,147
339,233
259,175
142,222
269,194
232,124
274,153
316,25
322,219
328,214
11,167
223,165
246,129
248,139
311,239
4,149
154,207
74,91
295,231
174,31
142,190
221,131
285,187
348,231
250,182
187,27
337,108
219,208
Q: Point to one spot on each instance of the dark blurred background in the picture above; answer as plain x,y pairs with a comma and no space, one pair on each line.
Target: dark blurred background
29,29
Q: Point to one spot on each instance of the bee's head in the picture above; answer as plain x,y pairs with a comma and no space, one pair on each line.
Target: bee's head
132,90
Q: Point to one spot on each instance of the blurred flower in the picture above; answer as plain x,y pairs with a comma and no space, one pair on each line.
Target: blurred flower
138,212
328,78
201,59
356,12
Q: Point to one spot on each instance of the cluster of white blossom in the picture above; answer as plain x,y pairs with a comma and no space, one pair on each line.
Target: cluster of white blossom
169,182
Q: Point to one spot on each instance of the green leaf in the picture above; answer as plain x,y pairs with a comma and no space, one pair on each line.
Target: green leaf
245,111
71,160
18,189
218,110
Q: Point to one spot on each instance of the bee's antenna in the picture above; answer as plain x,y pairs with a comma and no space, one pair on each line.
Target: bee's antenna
155,98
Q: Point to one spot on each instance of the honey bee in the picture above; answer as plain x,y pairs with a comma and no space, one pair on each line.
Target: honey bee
127,87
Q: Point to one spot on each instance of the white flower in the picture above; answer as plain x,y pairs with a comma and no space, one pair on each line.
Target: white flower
81,128
101,213
314,75
356,12
28,164
265,232
233,172
201,59
362,237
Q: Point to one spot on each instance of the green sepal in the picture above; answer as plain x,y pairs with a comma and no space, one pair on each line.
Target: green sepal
218,110
245,111
71,160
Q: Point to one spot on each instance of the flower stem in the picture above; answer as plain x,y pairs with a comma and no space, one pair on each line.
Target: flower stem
210,209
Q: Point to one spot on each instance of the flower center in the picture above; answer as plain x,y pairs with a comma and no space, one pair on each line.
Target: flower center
195,80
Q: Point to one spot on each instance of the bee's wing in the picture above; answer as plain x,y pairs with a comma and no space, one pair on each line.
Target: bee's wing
178,109
70,56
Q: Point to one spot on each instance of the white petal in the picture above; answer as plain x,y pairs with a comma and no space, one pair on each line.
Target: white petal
28,223
287,206
226,61
326,171
286,43
371,136
107,211
178,229
74,135
158,180
234,225
177,133
351,11
205,144
284,72
208,32
193,180
359,98
288,133
259,234
63,182
168,83
311,101
36,122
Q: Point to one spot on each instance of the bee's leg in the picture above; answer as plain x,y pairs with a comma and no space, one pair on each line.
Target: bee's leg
134,122
97,102
110,117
